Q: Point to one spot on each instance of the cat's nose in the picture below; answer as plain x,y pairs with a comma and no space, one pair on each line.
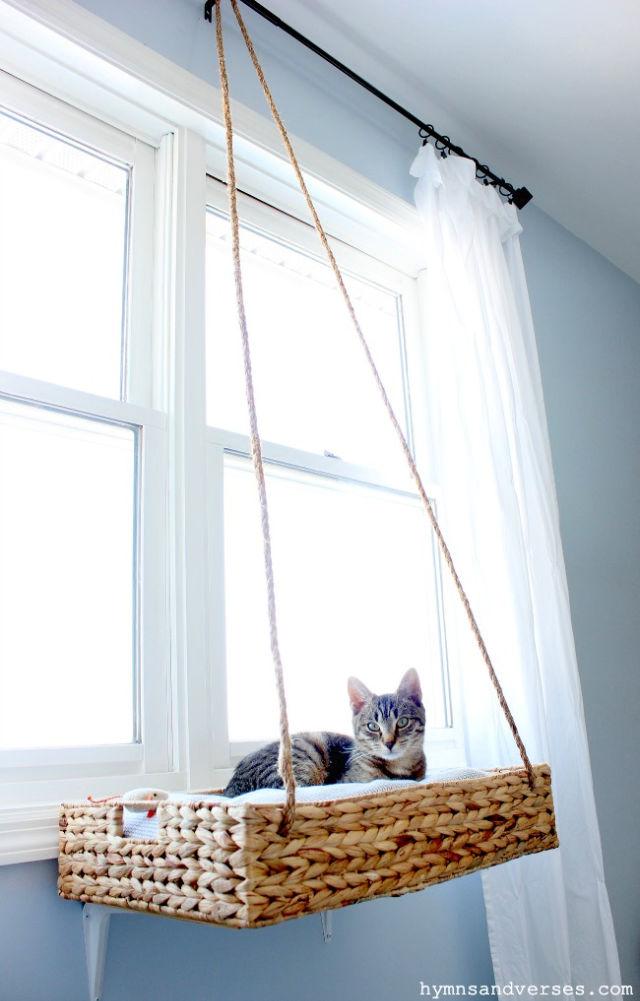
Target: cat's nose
389,743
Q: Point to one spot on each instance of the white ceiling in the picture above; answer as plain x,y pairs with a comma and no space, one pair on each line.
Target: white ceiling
549,91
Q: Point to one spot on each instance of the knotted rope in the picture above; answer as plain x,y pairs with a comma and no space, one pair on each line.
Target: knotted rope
285,763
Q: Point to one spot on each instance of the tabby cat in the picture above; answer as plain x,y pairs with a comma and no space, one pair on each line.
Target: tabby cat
387,743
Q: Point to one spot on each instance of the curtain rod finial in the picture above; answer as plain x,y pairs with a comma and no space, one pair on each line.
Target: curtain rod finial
521,197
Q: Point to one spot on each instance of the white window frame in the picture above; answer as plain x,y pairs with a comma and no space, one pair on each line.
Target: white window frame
62,772
65,52
443,745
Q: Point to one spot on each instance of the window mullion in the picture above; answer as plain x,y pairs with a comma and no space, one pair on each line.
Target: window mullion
187,493
216,604
415,316
153,659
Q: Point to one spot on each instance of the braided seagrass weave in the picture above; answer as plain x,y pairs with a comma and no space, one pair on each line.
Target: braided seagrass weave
229,864
245,864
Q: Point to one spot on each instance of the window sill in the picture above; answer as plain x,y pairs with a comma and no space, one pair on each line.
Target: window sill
28,833
29,809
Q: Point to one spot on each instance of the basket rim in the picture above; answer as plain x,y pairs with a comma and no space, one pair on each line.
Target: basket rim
543,769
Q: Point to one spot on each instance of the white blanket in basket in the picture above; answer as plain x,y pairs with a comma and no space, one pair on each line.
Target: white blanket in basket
139,825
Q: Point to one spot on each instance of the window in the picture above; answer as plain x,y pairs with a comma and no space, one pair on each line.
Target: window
132,618
82,456
313,390
67,573
357,576
63,249
356,593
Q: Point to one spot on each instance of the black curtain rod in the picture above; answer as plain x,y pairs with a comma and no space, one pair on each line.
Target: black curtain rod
519,196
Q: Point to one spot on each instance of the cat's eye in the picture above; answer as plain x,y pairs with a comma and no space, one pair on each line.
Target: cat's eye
373,727
403,721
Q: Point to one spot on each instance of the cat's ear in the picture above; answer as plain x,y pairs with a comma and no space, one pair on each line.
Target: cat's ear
359,694
409,687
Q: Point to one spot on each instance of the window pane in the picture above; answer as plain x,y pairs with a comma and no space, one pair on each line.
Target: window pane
357,594
66,579
314,390
62,260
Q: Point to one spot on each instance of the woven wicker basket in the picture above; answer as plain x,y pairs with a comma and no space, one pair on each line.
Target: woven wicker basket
227,864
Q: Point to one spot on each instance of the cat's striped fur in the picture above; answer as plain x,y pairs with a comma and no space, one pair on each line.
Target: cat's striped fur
387,742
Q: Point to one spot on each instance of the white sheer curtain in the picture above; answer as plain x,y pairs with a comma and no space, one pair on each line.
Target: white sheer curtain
548,915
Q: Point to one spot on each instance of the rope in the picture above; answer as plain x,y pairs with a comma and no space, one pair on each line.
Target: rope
285,763
446,553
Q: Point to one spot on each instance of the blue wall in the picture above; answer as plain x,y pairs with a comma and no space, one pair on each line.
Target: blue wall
380,950
588,316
